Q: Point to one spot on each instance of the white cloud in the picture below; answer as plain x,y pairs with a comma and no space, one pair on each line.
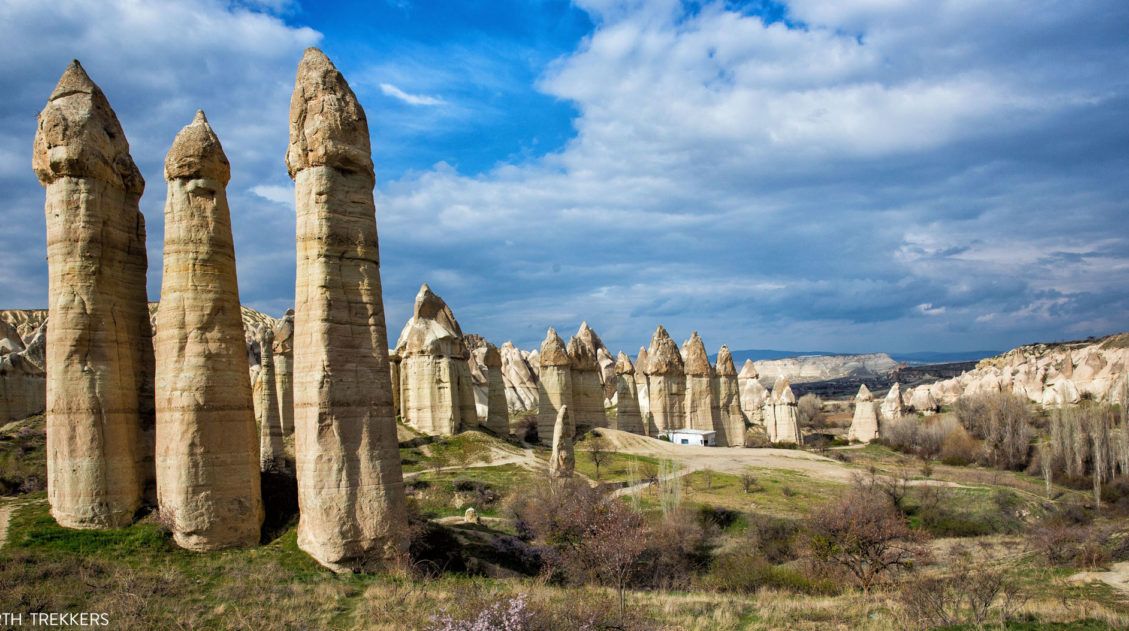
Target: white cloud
411,99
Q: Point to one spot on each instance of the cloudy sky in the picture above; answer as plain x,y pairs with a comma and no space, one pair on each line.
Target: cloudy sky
856,175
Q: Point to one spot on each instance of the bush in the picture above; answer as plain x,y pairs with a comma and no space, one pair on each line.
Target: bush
971,594
746,570
809,411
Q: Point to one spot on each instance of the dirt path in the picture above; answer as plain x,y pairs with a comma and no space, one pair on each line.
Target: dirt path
5,517
730,459
1117,577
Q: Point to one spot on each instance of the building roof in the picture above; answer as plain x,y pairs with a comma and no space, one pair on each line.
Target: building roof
695,432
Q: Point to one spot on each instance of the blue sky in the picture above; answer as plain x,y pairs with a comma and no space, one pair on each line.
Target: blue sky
858,175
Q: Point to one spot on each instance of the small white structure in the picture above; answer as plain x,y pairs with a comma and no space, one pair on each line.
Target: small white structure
700,437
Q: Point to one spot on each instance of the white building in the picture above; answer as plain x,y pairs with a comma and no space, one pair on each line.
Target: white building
700,437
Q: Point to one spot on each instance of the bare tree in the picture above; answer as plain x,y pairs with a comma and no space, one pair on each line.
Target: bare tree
599,450
809,410
864,534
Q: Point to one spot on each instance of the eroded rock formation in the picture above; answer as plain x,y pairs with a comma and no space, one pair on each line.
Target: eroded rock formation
781,416
753,393
892,406
436,388
587,382
268,412
520,380
644,392
23,376
350,484
864,425
207,451
628,416
727,395
666,382
555,388
284,370
497,414
701,411
562,461
99,361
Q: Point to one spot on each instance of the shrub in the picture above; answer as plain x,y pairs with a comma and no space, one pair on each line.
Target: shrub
971,594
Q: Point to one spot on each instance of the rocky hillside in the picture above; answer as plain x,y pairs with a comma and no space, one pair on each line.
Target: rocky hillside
1049,374
825,367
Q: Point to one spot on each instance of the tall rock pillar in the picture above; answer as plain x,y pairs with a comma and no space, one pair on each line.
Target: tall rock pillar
272,449
284,370
99,344
587,407
207,446
628,417
727,396
555,385
498,414
350,484
864,425
644,393
701,410
666,381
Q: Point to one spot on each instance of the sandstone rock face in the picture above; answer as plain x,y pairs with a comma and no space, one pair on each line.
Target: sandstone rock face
644,391
497,414
781,417
436,388
753,393
284,370
99,361
666,381
23,377
628,417
268,413
607,373
1049,374
726,393
587,382
470,516
562,462
350,484
923,402
520,380
480,381
864,425
394,370
892,407
823,367
207,445
701,411
555,386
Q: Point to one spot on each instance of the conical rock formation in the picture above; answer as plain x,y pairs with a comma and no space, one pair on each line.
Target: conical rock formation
555,386
701,411
350,484
666,381
628,416
727,397
587,380
864,425
436,388
497,415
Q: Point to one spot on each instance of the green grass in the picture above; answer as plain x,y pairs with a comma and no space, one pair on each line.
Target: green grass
616,469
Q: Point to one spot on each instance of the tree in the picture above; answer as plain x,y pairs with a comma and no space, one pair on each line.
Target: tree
864,534
748,481
599,451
